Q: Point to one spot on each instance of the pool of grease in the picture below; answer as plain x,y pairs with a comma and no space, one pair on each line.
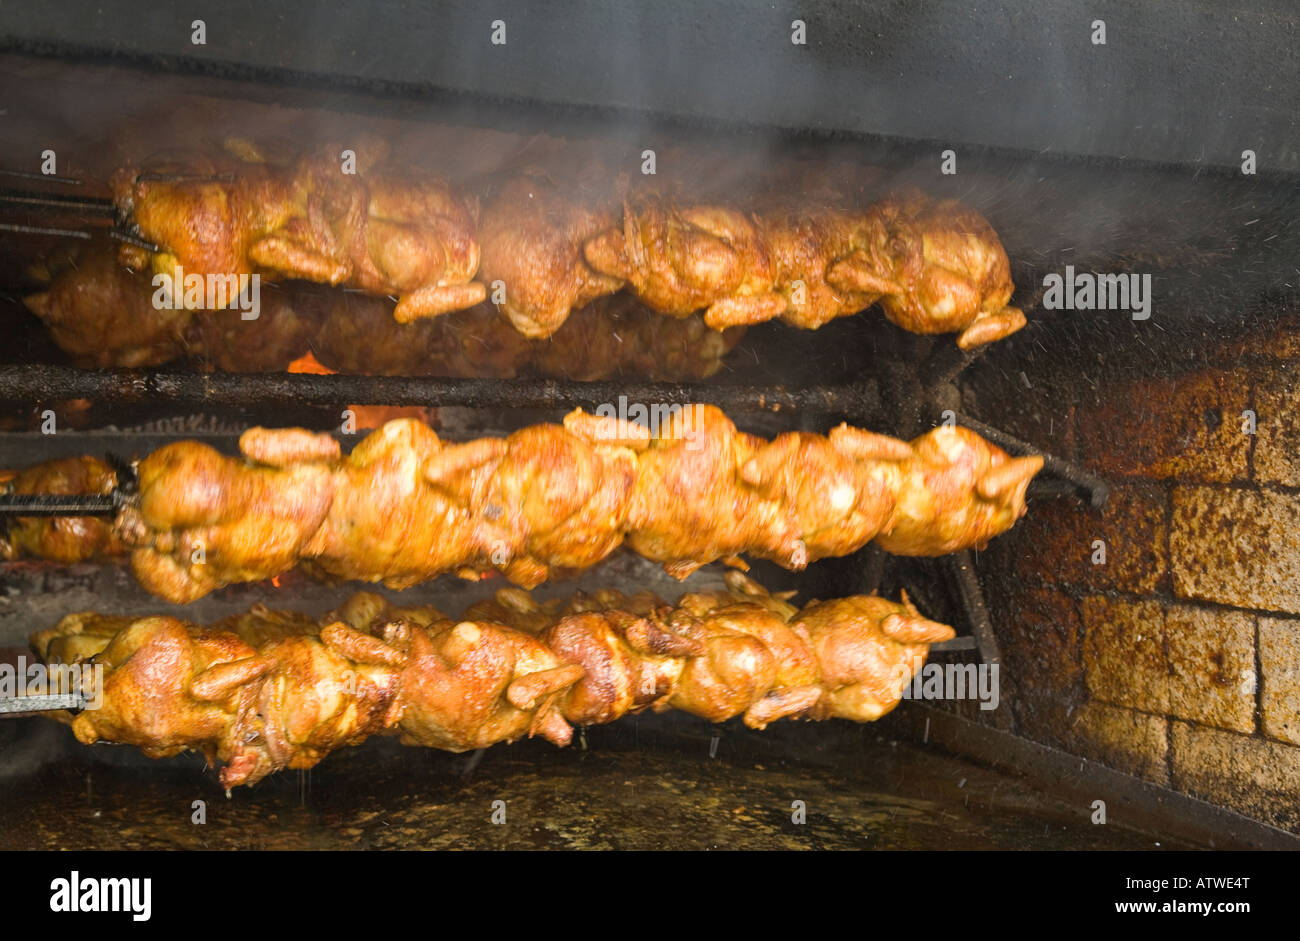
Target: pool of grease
646,783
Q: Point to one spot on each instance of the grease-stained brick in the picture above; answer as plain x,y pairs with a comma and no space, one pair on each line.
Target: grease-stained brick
1133,525
1236,547
1277,426
1042,666
1256,776
1186,427
1124,660
1212,666
1040,640
1279,660
1133,742
1275,339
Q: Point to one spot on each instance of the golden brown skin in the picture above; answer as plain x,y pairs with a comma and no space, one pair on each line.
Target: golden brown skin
170,686
957,492
619,336
680,259
405,506
358,335
940,268
387,523
863,674
203,520
103,315
383,234
271,690
611,336
65,539
78,636
469,684
935,267
532,232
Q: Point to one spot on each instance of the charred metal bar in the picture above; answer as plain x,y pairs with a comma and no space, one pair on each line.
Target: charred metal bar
962,566
43,177
949,361
1052,489
42,230
1097,488
133,240
42,504
17,705
57,202
35,384
151,177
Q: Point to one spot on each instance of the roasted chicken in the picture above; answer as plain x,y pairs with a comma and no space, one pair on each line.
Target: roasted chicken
532,232
934,267
314,220
405,506
271,690
103,315
66,539
543,248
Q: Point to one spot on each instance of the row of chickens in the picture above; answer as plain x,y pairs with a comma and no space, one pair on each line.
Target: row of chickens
405,506
271,690
542,248
103,315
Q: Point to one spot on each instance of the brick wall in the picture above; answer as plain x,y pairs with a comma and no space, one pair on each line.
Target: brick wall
1178,659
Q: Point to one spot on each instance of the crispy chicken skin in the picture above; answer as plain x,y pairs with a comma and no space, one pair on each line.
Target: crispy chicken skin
270,690
204,520
406,506
551,245
934,267
380,233
532,232
102,314
65,539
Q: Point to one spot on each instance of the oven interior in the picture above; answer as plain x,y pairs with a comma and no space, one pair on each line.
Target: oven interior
1119,681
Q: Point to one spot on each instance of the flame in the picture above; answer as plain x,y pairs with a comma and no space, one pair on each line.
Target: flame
309,364
367,417
275,580
372,416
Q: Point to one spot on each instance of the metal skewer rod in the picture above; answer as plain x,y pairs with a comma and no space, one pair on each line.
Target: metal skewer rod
44,504
58,202
1097,488
42,230
14,705
43,177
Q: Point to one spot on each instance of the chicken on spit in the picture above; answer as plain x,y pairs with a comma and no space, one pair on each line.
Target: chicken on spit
103,315
934,267
314,220
65,539
405,506
532,232
272,690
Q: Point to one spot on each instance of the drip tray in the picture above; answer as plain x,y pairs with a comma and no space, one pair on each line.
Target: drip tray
645,785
